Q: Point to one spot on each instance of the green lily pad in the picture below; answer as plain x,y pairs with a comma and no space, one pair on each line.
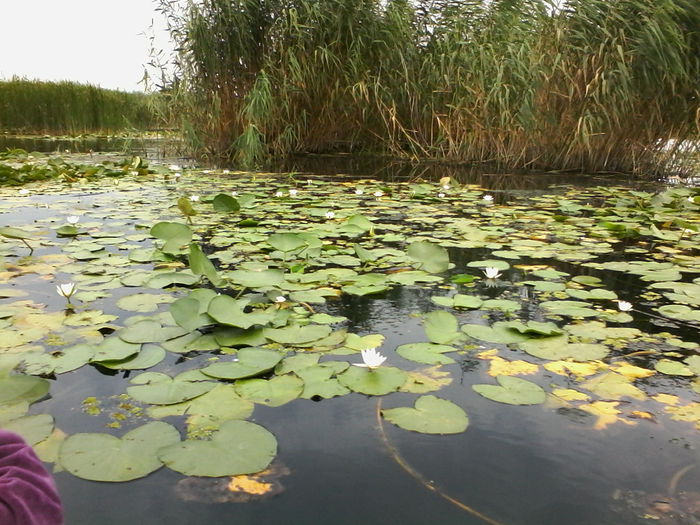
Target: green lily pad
297,334
103,457
512,391
59,362
238,447
229,311
557,348
225,203
150,355
441,327
143,302
319,381
15,388
273,392
431,257
673,368
375,382
32,428
161,389
499,332
431,415
176,235
250,362
428,353
680,312
220,404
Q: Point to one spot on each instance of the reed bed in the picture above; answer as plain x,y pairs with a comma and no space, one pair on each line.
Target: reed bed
30,106
597,85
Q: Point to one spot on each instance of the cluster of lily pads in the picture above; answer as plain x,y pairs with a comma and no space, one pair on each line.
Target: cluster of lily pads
247,284
19,167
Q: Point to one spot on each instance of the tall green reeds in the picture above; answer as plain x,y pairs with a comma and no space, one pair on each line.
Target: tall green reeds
70,108
595,85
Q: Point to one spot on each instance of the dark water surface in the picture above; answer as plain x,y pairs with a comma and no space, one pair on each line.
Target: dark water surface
535,465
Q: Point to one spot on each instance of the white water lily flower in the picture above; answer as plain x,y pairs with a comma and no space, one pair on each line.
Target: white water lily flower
177,175
234,193
293,193
24,191
73,219
174,167
371,359
194,198
624,306
378,193
488,198
358,191
491,272
65,290
226,172
441,195
280,299
691,199
445,186
330,215
278,194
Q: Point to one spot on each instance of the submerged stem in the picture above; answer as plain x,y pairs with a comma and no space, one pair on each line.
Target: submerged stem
419,477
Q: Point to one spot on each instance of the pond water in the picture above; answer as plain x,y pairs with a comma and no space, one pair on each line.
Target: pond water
613,439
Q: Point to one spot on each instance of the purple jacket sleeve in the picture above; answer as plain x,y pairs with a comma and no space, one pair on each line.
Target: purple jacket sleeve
28,495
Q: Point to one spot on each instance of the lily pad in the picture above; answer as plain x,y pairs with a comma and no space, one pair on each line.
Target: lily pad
250,362
375,382
161,389
273,392
238,447
512,391
431,257
429,353
431,415
103,457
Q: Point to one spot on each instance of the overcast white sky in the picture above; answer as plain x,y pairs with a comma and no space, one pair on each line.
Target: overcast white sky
101,42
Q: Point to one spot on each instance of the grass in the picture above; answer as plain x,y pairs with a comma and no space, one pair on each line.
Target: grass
596,86
28,106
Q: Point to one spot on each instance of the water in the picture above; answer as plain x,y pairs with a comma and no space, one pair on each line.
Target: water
538,465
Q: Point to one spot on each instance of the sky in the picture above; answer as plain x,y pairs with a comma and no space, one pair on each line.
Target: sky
101,42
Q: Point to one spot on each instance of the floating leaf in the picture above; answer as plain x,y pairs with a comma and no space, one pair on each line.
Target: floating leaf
161,389
319,382
431,257
513,391
673,368
376,382
431,415
273,392
176,235
441,327
238,447
225,203
103,457
32,428
250,362
209,410
428,353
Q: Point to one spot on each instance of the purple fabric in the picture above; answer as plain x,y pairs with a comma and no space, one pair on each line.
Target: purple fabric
28,495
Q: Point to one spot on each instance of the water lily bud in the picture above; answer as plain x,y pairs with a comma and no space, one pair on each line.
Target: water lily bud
73,219
66,289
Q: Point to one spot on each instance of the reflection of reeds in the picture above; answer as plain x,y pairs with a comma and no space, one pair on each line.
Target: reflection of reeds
599,85
69,107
